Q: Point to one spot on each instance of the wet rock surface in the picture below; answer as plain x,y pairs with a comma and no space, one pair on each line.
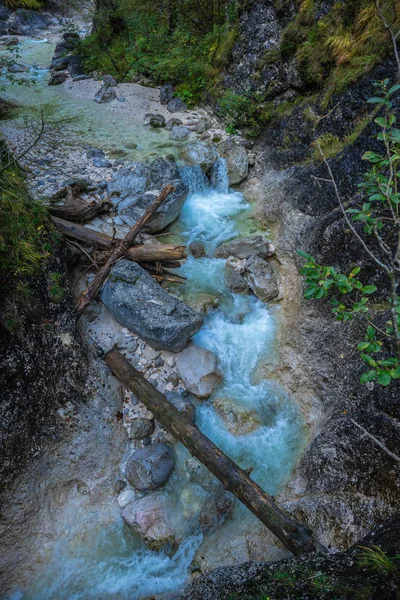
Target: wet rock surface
199,370
135,300
196,153
149,468
244,247
236,158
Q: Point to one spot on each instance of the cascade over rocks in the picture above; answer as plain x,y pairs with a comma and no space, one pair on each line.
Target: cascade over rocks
150,467
198,367
140,304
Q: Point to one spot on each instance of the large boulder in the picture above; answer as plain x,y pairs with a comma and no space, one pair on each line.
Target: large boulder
150,517
236,158
262,278
166,93
140,304
105,94
128,182
234,279
75,66
172,122
182,404
166,214
244,247
198,367
150,467
176,105
161,172
196,153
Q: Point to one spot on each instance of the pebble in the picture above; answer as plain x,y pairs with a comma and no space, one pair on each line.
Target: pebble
158,362
146,441
173,378
120,485
150,353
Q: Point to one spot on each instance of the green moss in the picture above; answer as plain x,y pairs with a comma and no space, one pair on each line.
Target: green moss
331,145
24,233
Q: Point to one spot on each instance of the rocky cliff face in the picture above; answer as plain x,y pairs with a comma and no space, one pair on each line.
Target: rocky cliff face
345,483
42,367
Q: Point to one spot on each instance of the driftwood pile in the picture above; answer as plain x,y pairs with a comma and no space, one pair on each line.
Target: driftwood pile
102,250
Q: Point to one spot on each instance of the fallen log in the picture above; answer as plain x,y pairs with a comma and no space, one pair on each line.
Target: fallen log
296,537
119,252
77,209
101,241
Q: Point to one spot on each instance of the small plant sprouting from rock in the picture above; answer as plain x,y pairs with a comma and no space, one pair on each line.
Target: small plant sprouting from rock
378,211
55,288
375,559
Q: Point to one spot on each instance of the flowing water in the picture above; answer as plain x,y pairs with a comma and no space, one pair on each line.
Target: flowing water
111,562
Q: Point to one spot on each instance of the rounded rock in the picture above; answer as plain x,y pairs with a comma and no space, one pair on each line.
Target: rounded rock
150,467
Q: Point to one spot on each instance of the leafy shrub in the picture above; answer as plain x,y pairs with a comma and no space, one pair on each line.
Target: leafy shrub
29,4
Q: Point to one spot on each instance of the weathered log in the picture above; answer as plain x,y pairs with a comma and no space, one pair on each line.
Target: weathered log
77,209
118,252
101,241
296,537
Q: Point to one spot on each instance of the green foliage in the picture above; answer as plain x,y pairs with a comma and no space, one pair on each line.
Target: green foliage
29,4
55,288
377,560
239,110
23,227
336,49
379,214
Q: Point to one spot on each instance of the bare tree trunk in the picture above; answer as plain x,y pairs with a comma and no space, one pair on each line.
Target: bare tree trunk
77,209
295,536
120,251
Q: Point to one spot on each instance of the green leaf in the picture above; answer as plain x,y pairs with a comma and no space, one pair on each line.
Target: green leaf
369,289
393,89
363,346
369,360
384,378
376,101
395,373
368,376
310,291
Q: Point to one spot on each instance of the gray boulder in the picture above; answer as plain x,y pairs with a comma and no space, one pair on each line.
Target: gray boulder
59,64
71,39
198,367
202,126
176,105
61,49
179,133
133,209
128,182
105,94
149,468
144,307
196,153
155,121
166,93
141,428
172,123
182,404
161,172
245,247
262,278
236,159
57,78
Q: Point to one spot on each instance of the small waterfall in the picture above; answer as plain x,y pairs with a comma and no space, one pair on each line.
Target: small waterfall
195,179
219,176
